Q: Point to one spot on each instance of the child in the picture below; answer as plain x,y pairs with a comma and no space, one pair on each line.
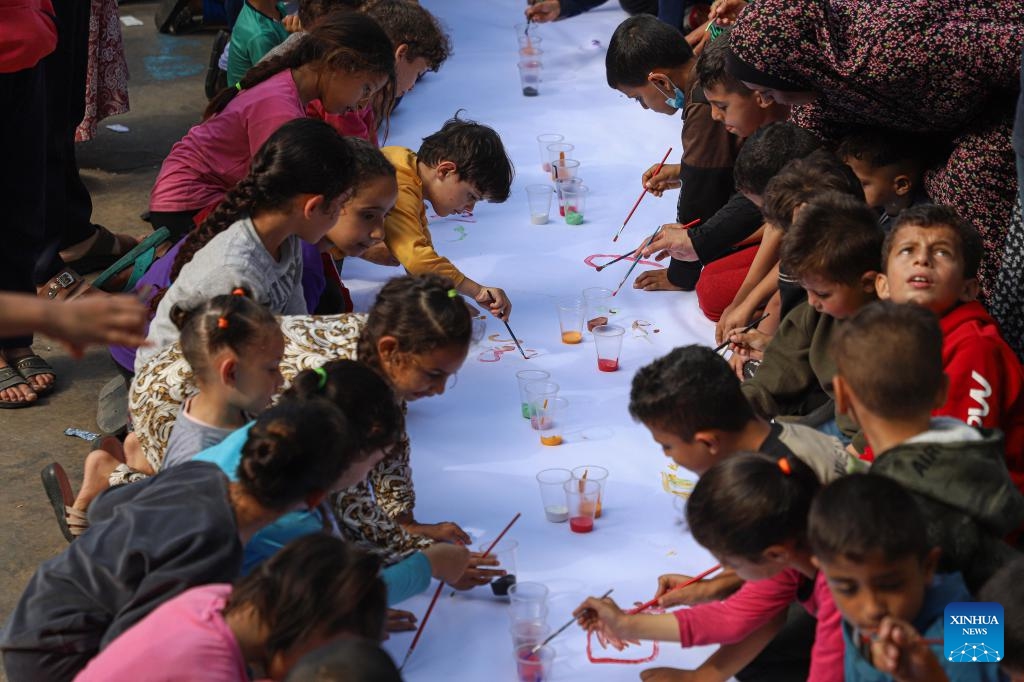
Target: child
258,29
416,336
833,248
890,168
233,347
868,538
293,193
151,541
342,62
313,591
931,259
750,511
369,404
1007,588
650,61
763,155
889,378
456,167
347,659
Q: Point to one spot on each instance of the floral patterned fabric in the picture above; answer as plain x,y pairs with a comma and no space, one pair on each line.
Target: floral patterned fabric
929,66
106,78
365,511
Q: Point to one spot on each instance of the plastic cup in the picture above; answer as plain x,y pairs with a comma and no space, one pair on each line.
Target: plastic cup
581,497
542,144
524,377
532,50
597,303
505,553
528,633
529,76
552,493
562,186
537,394
608,341
594,473
558,150
563,169
570,319
534,666
574,203
539,197
528,601
550,414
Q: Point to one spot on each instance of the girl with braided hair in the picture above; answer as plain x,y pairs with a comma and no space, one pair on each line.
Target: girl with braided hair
343,62
293,193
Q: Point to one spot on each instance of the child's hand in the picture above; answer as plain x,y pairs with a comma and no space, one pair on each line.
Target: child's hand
749,345
441,532
543,11
724,12
604,618
292,23
898,650
736,362
400,621
735,315
448,562
672,240
667,178
654,280
693,594
379,254
496,301
476,574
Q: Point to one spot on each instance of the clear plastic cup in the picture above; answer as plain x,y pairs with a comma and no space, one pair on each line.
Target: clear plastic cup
570,319
559,150
563,169
534,666
574,204
524,377
539,197
505,553
552,493
597,303
550,415
581,497
528,633
530,76
592,472
528,601
543,141
608,341
563,185
538,394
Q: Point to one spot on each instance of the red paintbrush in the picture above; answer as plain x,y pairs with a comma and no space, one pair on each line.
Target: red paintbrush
641,197
440,587
696,578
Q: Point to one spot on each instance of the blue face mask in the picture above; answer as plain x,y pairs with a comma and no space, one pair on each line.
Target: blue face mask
677,102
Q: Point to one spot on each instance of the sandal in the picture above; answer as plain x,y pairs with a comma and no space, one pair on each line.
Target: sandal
71,521
125,273
105,249
66,285
32,366
9,378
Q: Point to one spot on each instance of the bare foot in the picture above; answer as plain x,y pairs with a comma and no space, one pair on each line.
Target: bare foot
98,466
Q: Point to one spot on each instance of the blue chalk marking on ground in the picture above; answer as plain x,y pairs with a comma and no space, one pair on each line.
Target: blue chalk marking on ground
167,65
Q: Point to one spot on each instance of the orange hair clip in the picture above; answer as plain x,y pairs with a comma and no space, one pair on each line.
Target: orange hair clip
239,291
222,323
784,465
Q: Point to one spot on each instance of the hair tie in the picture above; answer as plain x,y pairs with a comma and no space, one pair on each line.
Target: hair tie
322,381
452,293
784,465
238,86
222,323
238,291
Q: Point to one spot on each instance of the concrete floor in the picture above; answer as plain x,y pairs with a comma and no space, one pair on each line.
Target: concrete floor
166,93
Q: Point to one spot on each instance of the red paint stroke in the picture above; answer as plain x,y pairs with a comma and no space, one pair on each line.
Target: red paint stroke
494,354
621,661
589,260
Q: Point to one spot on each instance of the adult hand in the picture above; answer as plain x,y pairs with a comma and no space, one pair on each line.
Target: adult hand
380,254
107,320
496,301
673,241
543,11
440,532
724,12
400,621
665,179
654,280
476,574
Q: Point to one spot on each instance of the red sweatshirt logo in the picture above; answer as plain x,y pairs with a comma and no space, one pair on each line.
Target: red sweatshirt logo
976,415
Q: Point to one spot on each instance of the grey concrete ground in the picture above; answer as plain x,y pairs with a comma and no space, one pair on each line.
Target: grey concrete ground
166,92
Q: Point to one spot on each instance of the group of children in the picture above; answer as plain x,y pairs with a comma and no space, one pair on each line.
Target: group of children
861,455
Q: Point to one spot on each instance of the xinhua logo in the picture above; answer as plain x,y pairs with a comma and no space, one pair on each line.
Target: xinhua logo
973,632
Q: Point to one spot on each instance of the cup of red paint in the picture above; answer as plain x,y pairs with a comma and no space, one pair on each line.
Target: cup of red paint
608,342
582,497
534,666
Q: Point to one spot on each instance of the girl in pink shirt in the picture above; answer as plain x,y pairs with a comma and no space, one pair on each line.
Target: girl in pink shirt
750,511
313,591
342,62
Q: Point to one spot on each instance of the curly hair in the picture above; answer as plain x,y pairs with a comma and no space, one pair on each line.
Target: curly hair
408,23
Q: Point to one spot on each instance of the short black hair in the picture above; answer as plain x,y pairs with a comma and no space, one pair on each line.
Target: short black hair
1006,587
477,152
711,69
938,217
641,44
879,147
689,390
834,236
347,660
749,502
802,179
767,151
890,354
857,515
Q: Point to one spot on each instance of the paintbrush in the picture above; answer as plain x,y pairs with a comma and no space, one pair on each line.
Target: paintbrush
694,579
512,334
560,630
437,594
599,268
752,325
641,197
633,266
502,533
